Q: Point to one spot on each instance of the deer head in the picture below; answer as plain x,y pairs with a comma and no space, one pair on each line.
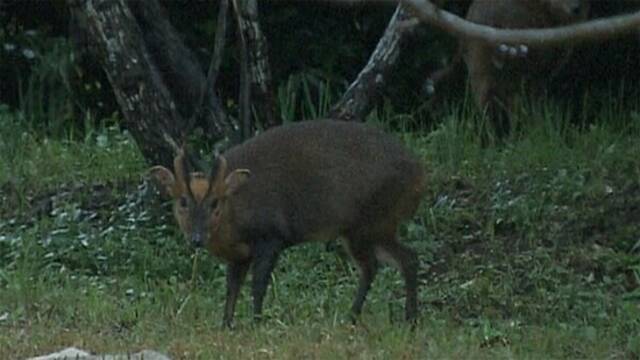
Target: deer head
200,201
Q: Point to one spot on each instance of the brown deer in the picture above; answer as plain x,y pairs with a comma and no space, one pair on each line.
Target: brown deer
308,181
496,73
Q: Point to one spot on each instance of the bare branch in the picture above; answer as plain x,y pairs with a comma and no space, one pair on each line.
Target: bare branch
244,98
362,94
147,105
594,30
259,71
218,50
179,70
209,86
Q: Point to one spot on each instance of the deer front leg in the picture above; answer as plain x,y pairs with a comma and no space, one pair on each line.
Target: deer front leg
236,273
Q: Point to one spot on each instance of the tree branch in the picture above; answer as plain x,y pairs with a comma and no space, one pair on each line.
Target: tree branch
177,66
594,30
146,104
362,94
258,61
208,90
218,50
244,98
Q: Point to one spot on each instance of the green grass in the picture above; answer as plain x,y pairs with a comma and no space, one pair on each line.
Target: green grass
529,249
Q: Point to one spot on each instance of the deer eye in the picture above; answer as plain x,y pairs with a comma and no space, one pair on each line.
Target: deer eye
182,202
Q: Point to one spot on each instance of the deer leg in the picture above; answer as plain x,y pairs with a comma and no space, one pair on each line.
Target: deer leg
368,266
407,262
265,258
491,100
236,273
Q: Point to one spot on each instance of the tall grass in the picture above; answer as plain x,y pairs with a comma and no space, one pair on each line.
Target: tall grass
46,97
31,162
304,96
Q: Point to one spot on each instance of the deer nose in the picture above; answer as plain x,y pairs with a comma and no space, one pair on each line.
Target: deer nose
196,239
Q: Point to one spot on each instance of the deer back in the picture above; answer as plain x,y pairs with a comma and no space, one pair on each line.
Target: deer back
316,179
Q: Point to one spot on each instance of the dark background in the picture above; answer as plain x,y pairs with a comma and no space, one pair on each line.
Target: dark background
326,42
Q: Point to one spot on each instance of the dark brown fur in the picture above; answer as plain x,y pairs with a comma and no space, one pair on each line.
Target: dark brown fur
308,181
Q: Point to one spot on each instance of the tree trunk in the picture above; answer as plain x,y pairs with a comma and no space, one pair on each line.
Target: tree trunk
259,71
214,66
179,70
362,95
148,107
157,80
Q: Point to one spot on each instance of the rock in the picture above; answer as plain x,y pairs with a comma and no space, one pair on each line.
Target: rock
68,353
77,354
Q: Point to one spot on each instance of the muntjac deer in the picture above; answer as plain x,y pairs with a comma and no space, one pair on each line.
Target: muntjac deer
496,72
308,181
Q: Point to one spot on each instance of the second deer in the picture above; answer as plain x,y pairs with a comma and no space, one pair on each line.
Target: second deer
497,72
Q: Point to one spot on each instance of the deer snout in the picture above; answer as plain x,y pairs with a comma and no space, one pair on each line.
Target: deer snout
197,239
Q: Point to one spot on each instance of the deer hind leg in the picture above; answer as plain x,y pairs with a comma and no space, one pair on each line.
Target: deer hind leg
492,102
405,260
266,255
487,87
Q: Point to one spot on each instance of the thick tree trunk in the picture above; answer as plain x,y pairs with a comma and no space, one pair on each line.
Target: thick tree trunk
146,104
180,71
365,91
258,68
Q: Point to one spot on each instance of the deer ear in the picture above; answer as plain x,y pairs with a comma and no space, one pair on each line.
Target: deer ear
164,179
235,180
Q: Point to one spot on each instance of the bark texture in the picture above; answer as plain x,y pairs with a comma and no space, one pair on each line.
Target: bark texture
258,71
179,70
362,95
156,79
147,106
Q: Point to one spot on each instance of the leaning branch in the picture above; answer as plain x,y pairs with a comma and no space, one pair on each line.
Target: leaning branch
209,86
594,30
146,103
244,98
218,50
178,69
259,70
362,94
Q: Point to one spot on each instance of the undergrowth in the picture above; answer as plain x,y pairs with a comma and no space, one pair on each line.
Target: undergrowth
529,249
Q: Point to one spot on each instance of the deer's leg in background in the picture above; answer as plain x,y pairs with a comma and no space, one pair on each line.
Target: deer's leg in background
364,256
266,252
